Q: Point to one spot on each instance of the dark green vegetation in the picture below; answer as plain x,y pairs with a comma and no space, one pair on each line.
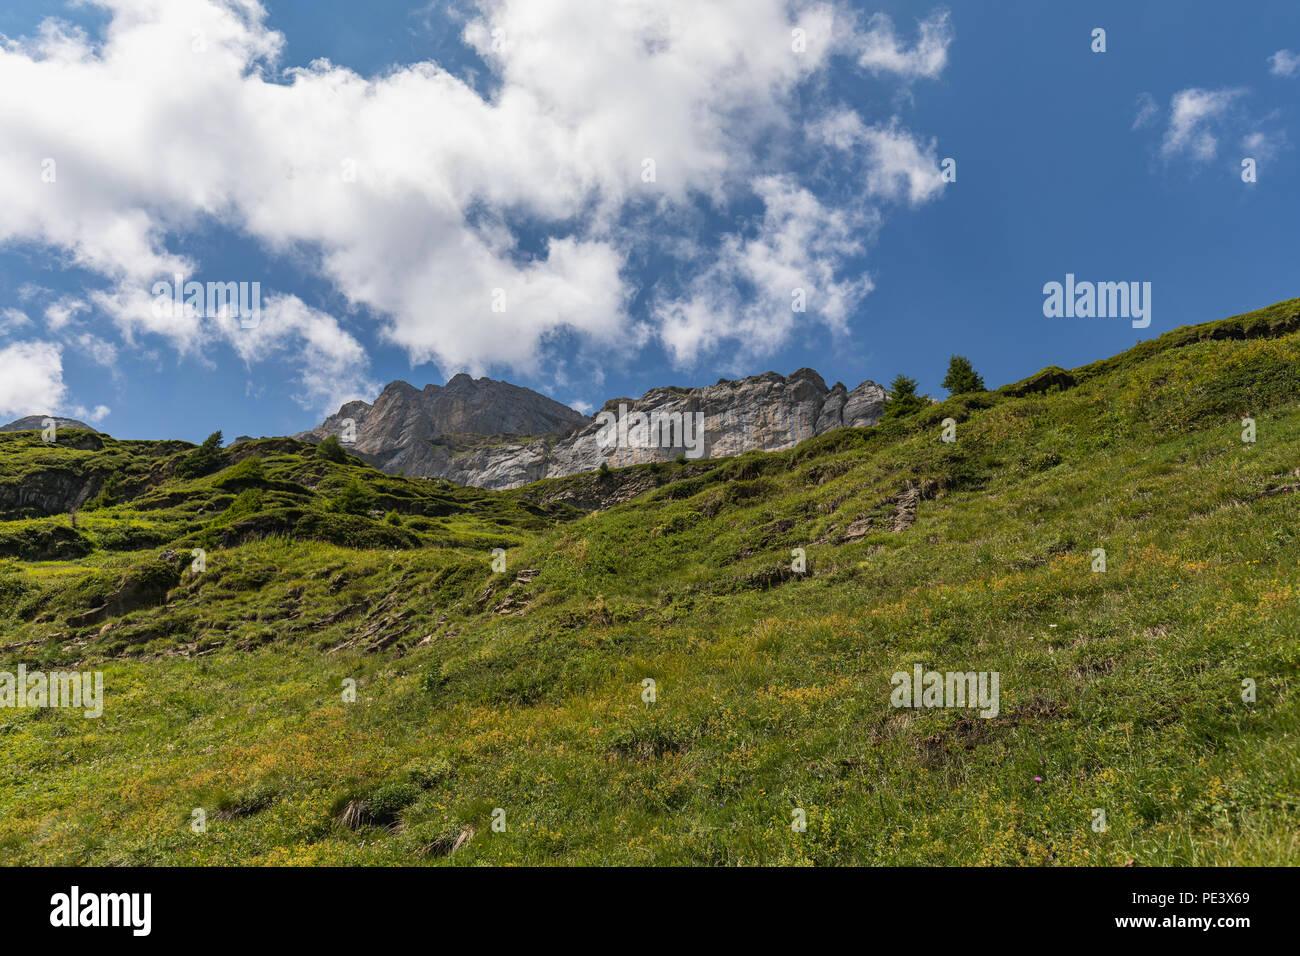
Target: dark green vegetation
962,377
903,399
225,689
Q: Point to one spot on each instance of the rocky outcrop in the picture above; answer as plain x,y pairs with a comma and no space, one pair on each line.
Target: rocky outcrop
34,423
404,416
46,491
859,408
458,437
768,412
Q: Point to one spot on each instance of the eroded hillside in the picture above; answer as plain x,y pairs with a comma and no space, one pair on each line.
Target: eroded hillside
523,690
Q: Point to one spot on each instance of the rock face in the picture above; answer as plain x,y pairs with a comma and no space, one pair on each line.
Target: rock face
47,491
404,417
55,489
496,435
769,412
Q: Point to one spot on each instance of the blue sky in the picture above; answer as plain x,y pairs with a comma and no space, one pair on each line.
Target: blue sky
517,164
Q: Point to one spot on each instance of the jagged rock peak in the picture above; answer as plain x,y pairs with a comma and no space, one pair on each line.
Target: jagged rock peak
403,415
524,436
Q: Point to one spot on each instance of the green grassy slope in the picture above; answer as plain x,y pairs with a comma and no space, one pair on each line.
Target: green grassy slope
476,690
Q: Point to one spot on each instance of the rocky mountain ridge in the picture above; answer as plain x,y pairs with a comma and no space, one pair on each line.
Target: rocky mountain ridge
493,434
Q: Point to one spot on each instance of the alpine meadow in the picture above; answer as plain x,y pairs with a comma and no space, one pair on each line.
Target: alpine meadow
679,662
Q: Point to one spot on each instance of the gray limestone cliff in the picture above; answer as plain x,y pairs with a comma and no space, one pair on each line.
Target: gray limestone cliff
495,435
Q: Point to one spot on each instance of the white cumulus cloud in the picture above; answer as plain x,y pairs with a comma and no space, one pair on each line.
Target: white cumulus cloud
32,383
1284,63
880,48
896,165
796,255
420,198
1193,116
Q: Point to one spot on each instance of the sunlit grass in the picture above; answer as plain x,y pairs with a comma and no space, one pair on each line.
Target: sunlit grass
1120,691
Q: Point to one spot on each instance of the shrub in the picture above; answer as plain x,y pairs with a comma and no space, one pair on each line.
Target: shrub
903,399
353,499
203,460
331,450
110,493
